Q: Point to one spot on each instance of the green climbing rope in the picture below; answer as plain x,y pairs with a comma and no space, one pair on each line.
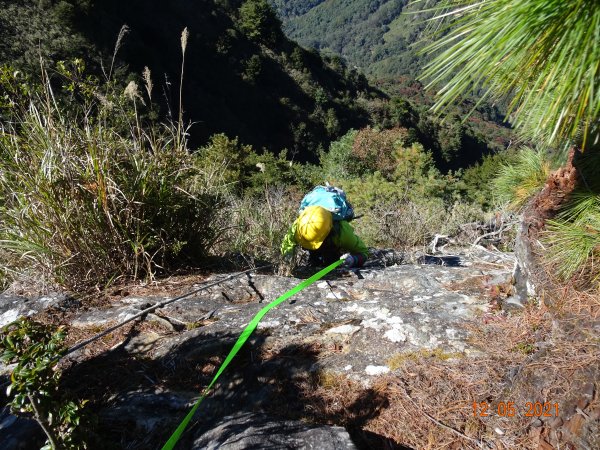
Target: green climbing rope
170,444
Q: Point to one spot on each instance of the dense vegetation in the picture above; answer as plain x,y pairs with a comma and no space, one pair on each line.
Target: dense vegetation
243,77
94,191
383,39
232,88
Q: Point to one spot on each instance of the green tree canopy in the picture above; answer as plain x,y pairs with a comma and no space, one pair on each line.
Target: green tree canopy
259,21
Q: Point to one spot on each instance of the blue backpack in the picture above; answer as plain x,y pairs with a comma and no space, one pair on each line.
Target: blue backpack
332,199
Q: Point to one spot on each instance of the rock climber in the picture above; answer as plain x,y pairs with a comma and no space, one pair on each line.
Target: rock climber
326,239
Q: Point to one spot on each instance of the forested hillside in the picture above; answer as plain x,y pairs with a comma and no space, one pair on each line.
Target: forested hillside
241,76
383,40
146,126
379,36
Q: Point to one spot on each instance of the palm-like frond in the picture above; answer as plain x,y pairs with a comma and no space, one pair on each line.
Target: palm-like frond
575,246
519,180
542,54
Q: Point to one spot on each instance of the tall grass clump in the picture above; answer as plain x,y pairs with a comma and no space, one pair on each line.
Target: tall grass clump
255,225
91,193
519,180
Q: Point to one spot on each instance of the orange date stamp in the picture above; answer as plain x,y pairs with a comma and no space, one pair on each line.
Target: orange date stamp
511,409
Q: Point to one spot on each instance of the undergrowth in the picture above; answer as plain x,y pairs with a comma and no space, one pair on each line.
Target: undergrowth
91,193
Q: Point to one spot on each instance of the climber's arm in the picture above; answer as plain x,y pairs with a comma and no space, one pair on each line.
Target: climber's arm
289,241
349,242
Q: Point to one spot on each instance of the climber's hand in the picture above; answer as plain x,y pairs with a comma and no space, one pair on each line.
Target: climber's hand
349,260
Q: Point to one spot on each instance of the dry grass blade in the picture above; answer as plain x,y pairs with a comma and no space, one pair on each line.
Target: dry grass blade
89,204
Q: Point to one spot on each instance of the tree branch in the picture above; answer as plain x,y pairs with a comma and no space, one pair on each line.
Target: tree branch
44,424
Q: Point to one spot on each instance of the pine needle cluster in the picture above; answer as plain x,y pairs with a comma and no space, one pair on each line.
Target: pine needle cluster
573,237
541,55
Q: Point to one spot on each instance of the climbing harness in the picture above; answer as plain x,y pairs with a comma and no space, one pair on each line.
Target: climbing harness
159,305
240,342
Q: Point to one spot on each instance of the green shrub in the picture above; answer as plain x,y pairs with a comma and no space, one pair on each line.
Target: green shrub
270,171
225,161
258,21
35,349
238,170
479,178
335,163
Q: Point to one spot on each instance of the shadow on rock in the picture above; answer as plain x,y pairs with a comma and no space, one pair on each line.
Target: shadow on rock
451,261
262,400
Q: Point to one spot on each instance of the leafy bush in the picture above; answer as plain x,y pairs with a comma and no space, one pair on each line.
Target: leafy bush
237,169
226,161
34,381
335,163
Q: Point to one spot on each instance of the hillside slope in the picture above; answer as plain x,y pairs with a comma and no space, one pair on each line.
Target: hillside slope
378,36
241,77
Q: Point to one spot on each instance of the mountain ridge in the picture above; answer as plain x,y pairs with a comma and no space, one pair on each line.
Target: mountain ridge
378,37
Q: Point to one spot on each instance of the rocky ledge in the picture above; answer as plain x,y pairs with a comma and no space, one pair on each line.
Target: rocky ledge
353,323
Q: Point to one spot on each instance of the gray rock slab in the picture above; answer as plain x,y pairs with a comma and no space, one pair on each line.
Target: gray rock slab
358,321
368,315
247,430
14,307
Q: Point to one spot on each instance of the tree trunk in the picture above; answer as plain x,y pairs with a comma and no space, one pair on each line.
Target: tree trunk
529,274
